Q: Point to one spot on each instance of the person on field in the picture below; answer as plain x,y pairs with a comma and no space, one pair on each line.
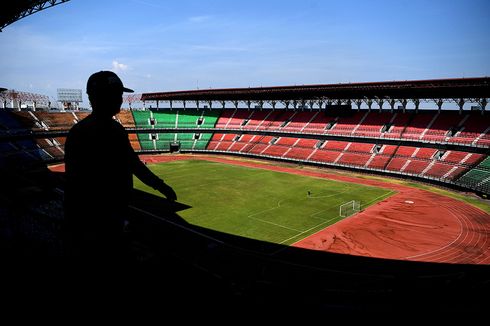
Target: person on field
99,168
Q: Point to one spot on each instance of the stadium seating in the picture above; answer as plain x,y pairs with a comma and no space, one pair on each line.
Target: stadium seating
479,176
426,126
175,119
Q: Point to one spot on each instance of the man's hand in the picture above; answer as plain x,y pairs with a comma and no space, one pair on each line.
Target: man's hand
166,190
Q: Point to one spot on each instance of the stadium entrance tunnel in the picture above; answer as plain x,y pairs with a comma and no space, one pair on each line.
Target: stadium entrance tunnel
174,147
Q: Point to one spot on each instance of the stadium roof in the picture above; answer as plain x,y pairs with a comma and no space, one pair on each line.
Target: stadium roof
467,88
12,11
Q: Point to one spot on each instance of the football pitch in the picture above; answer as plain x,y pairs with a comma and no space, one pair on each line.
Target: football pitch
256,203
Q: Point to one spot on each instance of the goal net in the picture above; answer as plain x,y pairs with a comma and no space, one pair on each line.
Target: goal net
349,208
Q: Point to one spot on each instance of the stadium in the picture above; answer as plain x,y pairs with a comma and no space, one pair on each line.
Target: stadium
352,196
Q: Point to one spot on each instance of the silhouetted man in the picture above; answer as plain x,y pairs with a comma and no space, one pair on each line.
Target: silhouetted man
100,164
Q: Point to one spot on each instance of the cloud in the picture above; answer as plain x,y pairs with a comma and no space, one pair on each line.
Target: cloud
199,19
117,66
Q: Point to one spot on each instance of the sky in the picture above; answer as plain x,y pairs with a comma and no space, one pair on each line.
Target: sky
156,45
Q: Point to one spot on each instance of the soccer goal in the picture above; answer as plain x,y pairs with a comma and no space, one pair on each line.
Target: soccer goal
349,208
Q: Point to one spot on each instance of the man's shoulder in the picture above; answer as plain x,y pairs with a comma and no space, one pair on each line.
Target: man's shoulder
117,126
93,126
80,125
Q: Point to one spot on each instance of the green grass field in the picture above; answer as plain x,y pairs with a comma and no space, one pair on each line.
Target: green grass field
256,203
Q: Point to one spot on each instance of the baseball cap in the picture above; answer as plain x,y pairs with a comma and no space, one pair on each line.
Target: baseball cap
104,81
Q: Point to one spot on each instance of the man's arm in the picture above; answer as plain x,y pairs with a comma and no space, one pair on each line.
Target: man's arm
142,172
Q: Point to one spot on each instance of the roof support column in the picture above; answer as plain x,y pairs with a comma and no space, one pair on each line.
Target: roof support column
404,103
303,104
159,102
416,102
183,103
320,103
358,103
439,103
461,104
369,103
197,104
392,105
223,104
483,103
261,104
380,102
311,104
